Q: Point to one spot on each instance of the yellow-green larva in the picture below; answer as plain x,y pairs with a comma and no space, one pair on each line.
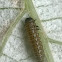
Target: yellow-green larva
32,31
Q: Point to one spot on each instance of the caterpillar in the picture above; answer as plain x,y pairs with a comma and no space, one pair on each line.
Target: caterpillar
33,35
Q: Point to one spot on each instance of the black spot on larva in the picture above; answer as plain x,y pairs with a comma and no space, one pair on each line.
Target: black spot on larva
33,35
29,20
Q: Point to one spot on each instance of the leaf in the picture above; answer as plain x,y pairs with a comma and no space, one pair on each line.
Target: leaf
13,45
